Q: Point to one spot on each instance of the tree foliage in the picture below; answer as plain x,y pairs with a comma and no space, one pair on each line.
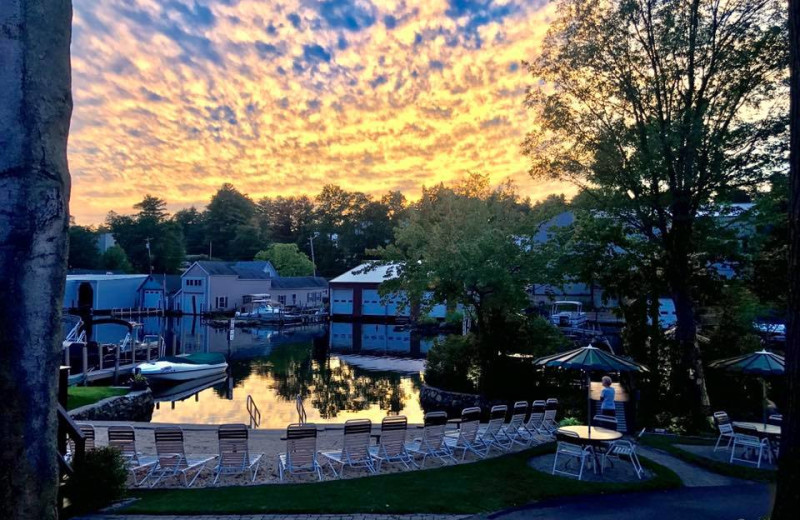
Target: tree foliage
83,250
287,259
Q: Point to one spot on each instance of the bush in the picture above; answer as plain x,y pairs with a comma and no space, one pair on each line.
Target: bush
452,364
99,480
454,319
138,382
569,421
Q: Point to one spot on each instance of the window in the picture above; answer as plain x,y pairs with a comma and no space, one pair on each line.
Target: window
282,299
194,283
221,302
294,299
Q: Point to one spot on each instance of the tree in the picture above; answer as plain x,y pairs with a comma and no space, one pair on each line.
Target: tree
83,250
115,259
661,108
287,259
34,201
228,210
192,224
787,500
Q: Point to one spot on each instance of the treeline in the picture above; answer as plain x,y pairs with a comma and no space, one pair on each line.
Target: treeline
342,224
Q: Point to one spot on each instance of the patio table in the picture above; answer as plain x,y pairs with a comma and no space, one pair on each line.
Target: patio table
599,435
760,428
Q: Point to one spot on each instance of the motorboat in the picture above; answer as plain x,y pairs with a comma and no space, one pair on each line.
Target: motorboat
259,309
184,367
568,314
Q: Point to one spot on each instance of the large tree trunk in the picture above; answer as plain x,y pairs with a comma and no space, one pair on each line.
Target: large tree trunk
35,108
787,497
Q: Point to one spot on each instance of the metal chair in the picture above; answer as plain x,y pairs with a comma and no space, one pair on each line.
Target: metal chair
466,438
392,445
568,445
725,428
749,441
301,451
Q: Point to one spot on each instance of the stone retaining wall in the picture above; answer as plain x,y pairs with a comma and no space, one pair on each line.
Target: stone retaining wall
434,399
135,406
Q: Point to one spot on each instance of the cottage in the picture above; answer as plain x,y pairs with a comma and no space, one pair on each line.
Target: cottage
299,291
159,291
103,291
209,286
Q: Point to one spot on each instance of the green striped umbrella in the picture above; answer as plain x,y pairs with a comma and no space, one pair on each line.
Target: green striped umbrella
589,359
762,363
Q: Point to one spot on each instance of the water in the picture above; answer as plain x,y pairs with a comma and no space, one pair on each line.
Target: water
342,371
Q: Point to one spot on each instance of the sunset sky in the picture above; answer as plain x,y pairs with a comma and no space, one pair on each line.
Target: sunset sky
175,97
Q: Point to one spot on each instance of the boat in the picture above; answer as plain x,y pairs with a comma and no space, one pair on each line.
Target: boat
261,309
183,367
568,314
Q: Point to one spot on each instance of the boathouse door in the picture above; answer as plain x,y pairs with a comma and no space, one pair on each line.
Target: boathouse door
85,295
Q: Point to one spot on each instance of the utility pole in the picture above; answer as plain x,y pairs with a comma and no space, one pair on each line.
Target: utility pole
313,260
149,256
209,249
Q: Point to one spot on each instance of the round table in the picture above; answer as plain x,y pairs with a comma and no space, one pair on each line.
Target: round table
759,427
598,434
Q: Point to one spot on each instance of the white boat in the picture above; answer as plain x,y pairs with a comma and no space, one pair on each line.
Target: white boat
568,314
184,368
259,309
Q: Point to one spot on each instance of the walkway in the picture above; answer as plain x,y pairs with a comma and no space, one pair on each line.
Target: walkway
274,517
692,476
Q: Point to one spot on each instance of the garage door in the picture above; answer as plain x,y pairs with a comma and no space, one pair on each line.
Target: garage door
342,301
152,299
371,303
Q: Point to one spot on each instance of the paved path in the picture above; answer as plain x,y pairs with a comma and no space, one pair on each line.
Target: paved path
691,475
273,517
741,502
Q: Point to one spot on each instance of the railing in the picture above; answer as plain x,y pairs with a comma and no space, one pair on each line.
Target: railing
254,412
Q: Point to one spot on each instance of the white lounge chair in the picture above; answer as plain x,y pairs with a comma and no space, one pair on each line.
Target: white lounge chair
514,429
124,439
535,424
234,452
748,441
392,445
172,459
568,445
725,428
624,448
466,437
491,435
549,422
432,443
355,448
301,451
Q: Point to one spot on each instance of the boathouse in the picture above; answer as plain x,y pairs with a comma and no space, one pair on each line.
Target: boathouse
103,292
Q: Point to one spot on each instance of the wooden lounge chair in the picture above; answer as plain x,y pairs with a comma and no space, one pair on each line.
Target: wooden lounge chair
234,452
355,451
392,445
172,459
124,439
466,438
491,435
432,443
301,451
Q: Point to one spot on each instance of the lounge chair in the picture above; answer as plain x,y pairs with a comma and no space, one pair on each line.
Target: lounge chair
549,422
748,440
568,445
491,435
301,451
624,448
725,428
466,438
87,430
535,424
392,444
124,439
172,459
355,448
432,443
514,430
234,452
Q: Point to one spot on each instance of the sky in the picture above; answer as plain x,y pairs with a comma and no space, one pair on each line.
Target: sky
176,97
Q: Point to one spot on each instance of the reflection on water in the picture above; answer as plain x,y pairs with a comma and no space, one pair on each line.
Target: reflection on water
275,366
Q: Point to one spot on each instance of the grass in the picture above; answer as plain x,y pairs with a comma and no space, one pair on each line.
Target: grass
78,396
489,485
668,443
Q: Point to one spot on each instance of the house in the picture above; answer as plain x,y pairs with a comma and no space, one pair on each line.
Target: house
209,286
103,291
354,294
158,291
299,291
105,241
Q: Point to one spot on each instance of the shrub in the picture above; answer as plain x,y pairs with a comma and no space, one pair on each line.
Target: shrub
138,382
452,363
569,421
454,319
99,480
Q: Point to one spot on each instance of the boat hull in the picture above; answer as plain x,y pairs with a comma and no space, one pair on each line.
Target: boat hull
182,373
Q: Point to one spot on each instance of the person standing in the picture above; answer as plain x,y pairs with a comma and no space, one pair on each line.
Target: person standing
607,405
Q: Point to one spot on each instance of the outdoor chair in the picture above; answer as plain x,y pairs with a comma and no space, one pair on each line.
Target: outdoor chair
124,439
549,422
89,440
171,457
568,445
355,451
301,451
514,431
234,452
466,438
625,448
775,419
432,443
749,441
604,421
392,444
725,428
491,435
535,424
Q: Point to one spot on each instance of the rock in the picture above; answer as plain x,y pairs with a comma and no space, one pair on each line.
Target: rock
134,406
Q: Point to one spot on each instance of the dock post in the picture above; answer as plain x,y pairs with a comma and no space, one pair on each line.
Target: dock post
116,364
133,354
147,347
85,365
99,356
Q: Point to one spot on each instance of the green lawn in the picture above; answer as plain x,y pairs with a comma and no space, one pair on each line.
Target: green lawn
668,444
78,396
489,485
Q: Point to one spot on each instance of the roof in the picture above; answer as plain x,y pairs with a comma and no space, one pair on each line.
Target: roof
563,219
171,281
104,277
298,282
249,270
377,274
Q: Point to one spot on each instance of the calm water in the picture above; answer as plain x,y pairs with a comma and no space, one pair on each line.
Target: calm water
342,371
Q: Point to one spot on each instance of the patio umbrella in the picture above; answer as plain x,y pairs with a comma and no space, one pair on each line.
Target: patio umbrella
762,363
587,359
